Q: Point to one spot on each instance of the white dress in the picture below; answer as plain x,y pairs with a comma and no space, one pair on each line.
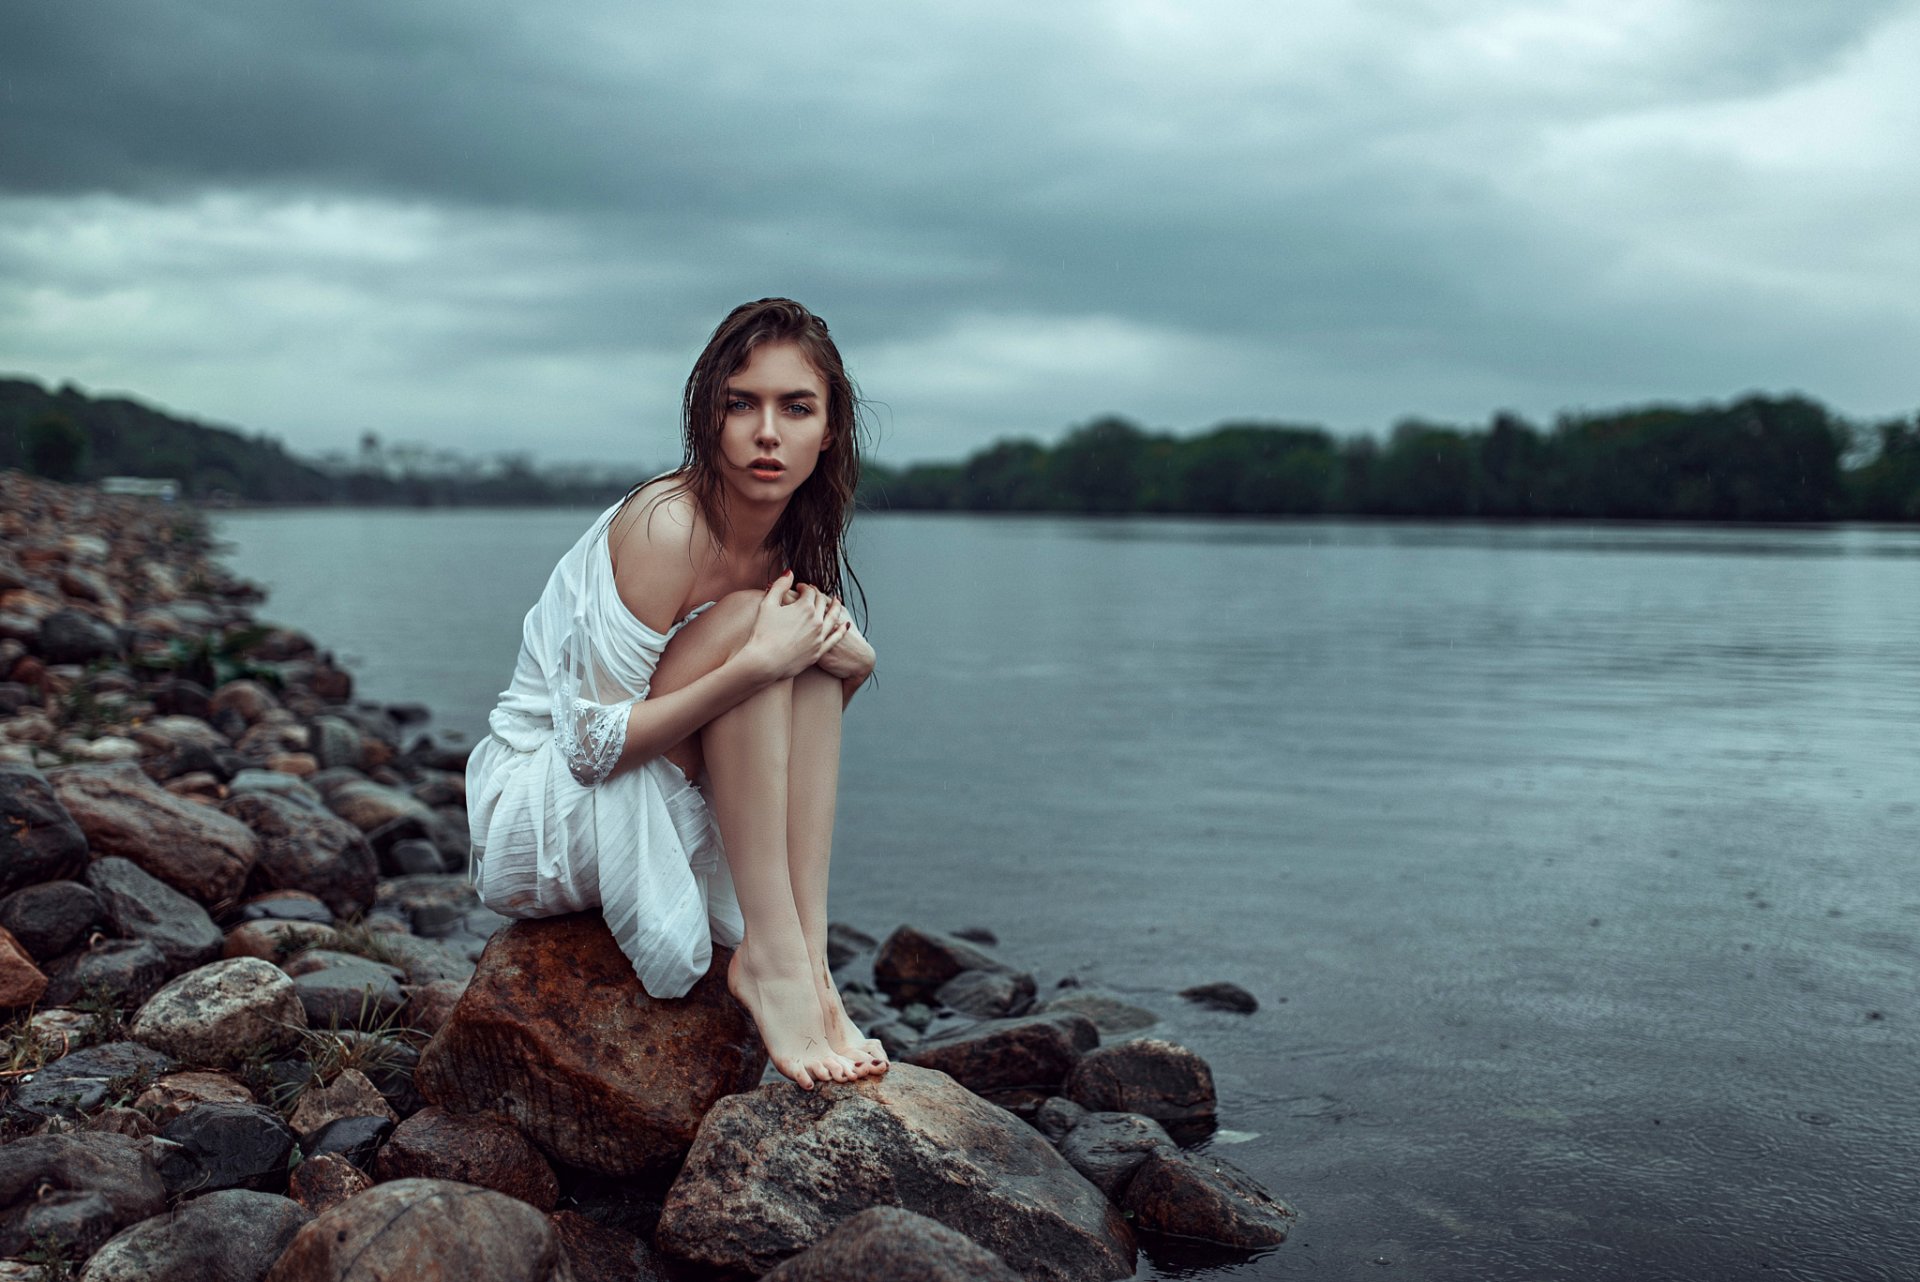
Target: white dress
552,832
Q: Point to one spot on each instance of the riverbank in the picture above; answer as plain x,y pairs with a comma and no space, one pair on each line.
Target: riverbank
251,992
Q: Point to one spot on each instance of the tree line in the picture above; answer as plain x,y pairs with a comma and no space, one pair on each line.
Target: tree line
1757,459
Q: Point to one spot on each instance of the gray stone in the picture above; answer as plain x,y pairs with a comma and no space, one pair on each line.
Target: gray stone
141,906
1222,996
1110,1014
83,1187
39,841
51,918
232,1235
469,1233
1001,1054
234,1145
84,1080
1198,1195
1108,1147
987,994
216,1015
73,636
127,970
912,963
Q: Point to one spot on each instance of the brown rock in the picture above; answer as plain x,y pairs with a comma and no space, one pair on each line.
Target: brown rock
1198,1195
199,852
300,764
601,1253
352,1094
425,1229
1157,1078
555,1033
912,964
471,1148
999,1054
303,847
175,1093
325,1181
775,1168
276,941
21,982
900,1246
247,697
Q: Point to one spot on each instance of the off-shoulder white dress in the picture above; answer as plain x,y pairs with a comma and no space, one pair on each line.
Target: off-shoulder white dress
552,831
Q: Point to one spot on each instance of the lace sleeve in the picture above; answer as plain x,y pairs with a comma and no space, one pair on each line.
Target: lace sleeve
589,717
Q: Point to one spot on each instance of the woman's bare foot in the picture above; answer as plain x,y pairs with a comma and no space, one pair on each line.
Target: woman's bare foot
868,1056
786,1012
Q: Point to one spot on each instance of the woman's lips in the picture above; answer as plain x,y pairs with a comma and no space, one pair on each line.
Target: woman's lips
766,471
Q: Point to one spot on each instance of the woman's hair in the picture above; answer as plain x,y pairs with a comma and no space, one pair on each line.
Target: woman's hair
810,536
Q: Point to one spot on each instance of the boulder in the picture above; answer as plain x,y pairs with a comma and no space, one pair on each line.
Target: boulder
127,970
1110,1014
21,982
50,918
304,847
231,1146
232,1235
555,1033
1057,1116
844,943
219,1013
325,1180
39,841
420,1228
83,1187
900,1246
1001,1054
1159,1079
774,1169
987,994
199,852
354,992
85,1080
1108,1148
1198,1195
912,964
470,1148
141,906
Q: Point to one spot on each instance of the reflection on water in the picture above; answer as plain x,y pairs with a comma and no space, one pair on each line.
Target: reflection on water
1576,885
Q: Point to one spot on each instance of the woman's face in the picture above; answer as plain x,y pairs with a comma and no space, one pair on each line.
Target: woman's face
773,424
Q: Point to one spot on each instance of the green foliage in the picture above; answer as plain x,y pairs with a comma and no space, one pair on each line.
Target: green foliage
1757,459
57,448
214,658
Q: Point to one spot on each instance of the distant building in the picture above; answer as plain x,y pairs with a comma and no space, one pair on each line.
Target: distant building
153,487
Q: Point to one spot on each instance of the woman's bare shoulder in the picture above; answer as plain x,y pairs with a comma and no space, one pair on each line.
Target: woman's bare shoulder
655,540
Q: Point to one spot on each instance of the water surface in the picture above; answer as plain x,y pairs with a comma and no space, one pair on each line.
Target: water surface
1574,865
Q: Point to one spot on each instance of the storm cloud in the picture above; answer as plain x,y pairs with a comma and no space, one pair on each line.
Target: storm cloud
500,228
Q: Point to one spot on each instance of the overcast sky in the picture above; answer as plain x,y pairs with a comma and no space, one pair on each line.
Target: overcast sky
500,227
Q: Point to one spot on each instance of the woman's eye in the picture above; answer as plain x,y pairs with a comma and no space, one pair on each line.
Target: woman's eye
798,408
735,407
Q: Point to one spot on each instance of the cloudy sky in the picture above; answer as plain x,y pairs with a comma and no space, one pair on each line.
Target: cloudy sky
500,227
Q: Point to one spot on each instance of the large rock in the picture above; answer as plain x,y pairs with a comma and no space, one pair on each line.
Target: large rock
84,1187
39,841
219,1013
50,918
1111,1014
1198,1195
425,1229
999,1054
21,982
912,964
372,807
141,906
199,852
232,1146
1108,1148
231,1235
472,1149
1160,1079
304,847
774,1169
555,1032
900,1246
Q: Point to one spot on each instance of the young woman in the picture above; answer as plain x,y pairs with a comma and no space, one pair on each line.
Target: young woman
697,632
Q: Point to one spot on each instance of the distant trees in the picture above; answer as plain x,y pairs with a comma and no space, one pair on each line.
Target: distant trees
55,447
1756,459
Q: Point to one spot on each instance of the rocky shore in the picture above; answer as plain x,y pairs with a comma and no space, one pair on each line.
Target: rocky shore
258,1027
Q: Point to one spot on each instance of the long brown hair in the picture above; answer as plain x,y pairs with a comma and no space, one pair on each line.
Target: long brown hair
810,536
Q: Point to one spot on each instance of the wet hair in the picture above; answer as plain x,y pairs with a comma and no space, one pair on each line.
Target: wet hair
810,536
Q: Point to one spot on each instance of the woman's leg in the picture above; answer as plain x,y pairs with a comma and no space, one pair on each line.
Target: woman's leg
746,753
813,783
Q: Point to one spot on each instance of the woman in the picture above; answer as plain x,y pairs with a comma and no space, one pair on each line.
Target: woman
696,632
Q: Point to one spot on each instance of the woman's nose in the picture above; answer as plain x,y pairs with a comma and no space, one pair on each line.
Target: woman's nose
767,430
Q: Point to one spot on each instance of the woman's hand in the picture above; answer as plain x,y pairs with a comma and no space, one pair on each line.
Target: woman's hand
792,631
851,656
